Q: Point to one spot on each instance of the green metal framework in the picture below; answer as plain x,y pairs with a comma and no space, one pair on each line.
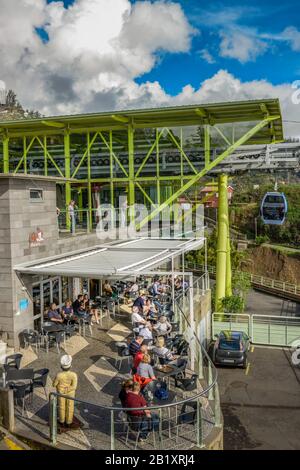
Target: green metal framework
137,148
207,129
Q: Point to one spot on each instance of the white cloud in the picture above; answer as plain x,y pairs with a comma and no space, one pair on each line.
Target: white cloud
241,44
96,49
290,35
206,55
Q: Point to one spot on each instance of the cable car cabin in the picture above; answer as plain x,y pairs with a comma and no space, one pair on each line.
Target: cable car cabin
273,209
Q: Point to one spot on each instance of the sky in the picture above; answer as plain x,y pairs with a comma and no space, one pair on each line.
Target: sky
82,56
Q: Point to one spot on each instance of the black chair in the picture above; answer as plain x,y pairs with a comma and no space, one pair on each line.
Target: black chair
187,384
181,364
56,338
21,391
13,361
188,413
33,338
40,379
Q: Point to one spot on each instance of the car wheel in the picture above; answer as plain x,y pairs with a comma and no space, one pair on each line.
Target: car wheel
245,363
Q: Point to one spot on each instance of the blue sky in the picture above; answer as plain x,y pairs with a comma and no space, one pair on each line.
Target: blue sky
120,54
279,64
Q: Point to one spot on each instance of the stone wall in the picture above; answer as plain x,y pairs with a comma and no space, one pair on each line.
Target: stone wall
19,219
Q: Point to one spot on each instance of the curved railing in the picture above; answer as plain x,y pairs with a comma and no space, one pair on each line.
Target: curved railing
183,422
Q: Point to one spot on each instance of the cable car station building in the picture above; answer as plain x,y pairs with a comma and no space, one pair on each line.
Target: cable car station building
149,156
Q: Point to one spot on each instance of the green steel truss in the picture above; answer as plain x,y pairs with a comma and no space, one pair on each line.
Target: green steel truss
156,155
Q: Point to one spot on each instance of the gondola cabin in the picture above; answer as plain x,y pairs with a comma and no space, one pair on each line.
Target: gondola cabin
273,208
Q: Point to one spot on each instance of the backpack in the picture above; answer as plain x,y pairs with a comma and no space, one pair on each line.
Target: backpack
161,392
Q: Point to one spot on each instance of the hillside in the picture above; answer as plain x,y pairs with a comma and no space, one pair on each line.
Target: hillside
11,109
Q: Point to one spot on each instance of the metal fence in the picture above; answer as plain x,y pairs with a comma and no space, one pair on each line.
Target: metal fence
183,422
268,330
256,280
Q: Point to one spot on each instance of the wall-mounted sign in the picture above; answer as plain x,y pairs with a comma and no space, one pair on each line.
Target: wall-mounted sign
36,238
23,305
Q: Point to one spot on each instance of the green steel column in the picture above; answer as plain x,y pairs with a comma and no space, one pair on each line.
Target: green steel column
5,155
68,192
222,242
90,198
158,187
228,261
45,157
207,145
131,191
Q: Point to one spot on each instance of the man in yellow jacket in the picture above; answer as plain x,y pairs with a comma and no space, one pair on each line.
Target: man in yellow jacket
66,384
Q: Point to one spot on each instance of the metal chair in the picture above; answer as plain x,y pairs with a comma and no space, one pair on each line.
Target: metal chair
40,379
13,361
32,337
20,393
57,338
134,424
120,358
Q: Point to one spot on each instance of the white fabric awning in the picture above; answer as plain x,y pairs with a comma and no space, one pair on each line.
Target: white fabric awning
116,259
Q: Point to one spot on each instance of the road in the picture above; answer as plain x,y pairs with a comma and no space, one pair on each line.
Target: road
259,303
261,406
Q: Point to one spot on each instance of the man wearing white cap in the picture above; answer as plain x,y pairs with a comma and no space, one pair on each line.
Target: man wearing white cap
66,384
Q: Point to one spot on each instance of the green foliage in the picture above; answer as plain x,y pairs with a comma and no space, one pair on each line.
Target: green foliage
241,284
246,206
233,304
198,256
262,239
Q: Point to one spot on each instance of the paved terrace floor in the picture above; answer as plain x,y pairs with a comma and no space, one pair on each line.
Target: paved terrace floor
99,382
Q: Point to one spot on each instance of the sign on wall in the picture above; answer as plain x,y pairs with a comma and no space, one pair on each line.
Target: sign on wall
36,238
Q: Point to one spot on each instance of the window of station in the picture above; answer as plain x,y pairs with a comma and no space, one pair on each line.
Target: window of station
36,195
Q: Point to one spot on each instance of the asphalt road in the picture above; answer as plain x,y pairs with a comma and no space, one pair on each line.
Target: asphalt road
261,406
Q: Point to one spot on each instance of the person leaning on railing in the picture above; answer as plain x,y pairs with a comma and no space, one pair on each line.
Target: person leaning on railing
143,420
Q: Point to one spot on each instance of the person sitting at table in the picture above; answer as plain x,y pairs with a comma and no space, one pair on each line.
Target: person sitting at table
78,305
140,418
54,315
162,352
163,327
135,345
137,320
133,290
138,357
145,373
126,387
146,332
108,291
150,311
92,311
67,312
140,301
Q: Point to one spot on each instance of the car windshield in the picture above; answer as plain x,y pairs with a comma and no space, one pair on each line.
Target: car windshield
229,345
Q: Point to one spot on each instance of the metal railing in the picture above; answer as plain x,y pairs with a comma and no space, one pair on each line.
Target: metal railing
182,424
268,330
115,221
255,279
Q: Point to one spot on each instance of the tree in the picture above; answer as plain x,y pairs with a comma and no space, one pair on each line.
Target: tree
233,304
11,99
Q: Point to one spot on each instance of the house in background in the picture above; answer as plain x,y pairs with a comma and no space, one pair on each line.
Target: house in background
211,196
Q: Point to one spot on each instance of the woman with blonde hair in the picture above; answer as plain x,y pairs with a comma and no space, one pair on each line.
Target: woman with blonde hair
145,373
162,352
163,327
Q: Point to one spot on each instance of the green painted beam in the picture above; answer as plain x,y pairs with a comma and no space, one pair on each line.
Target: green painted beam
206,170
